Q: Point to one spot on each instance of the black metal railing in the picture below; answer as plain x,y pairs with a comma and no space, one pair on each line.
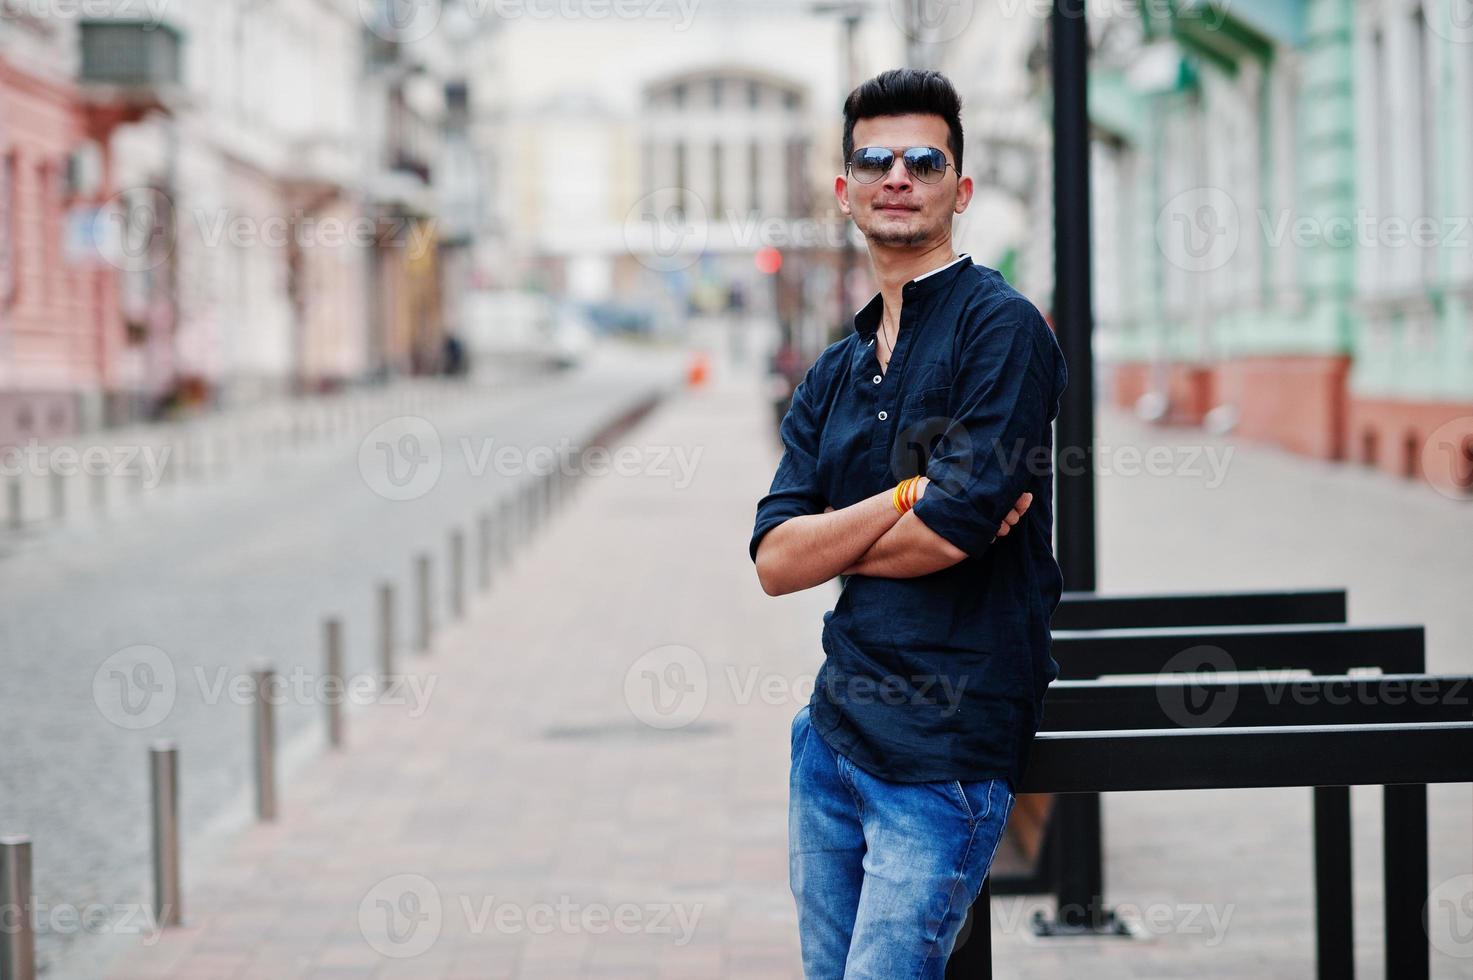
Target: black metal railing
1398,731
1070,858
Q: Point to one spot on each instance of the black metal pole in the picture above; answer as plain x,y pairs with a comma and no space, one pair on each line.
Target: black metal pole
1334,911
1404,857
1076,817
1072,304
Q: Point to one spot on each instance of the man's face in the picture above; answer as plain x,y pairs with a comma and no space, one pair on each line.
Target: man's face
897,210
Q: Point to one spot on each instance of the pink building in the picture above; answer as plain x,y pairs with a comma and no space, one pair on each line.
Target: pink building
61,324
56,317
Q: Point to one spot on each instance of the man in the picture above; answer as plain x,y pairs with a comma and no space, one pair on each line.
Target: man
914,449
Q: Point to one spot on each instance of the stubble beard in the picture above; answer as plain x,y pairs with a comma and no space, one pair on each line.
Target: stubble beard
899,239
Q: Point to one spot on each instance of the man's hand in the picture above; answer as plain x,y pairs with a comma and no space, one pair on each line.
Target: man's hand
910,548
1014,516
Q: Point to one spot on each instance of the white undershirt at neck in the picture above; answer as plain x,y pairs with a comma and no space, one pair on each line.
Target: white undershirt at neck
948,265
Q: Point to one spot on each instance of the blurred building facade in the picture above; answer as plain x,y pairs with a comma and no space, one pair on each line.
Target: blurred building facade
64,340
681,168
239,200
1280,218
994,59
1286,210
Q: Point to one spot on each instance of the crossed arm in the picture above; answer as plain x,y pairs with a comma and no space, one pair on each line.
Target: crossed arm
865,538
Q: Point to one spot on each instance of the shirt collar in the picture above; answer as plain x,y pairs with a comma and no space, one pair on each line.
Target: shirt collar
867,320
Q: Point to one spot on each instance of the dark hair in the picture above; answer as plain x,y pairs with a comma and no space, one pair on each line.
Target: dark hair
899,92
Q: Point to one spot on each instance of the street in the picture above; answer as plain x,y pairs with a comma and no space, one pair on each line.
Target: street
215,578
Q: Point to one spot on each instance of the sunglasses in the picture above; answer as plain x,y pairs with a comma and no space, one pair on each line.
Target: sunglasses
925,163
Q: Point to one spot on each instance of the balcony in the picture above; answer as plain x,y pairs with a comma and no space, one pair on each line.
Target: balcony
131,55
130,68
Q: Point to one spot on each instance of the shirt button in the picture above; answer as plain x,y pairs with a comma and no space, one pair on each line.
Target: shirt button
883,416
877,379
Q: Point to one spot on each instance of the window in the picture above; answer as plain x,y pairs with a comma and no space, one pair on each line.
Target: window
796,175
754,176
1426,148
49,223
717,177
647,172
1380,197
10,225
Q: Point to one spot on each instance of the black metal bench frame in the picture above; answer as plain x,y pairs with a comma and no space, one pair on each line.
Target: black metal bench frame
1399,731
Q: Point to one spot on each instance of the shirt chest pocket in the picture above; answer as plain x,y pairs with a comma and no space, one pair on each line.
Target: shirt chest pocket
923,422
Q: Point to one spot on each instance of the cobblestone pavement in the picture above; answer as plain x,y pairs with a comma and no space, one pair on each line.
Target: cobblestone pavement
554,814
202,579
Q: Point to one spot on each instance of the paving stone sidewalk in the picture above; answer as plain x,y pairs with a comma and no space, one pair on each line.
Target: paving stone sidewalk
536,822
529,823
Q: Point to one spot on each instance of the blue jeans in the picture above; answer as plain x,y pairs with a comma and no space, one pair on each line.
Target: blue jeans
883,872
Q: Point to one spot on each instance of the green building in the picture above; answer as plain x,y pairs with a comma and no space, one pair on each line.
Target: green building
1282,229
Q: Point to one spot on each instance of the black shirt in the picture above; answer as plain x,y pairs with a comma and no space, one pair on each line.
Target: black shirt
941,676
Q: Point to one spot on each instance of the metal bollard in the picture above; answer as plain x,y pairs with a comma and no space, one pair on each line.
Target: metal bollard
265,744
483,550
163,770
57,484
528,504
507,512
385,633
99,492
426,620
332,641
457,574
169,470
18,938
189,465
14,502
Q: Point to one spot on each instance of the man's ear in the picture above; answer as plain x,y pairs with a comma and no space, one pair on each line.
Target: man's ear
841,193
963,194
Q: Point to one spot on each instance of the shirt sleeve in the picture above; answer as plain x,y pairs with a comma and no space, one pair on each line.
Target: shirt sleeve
1005,393
795,487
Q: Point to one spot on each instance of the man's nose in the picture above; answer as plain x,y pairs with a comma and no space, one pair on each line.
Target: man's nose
898,175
